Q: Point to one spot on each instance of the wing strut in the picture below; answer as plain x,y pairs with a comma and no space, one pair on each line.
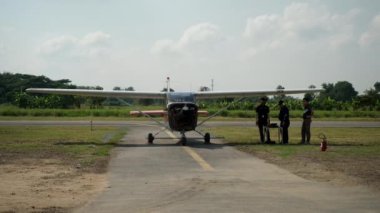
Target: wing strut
218,112
150,118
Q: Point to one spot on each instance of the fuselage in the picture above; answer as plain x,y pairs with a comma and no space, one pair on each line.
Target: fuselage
182,111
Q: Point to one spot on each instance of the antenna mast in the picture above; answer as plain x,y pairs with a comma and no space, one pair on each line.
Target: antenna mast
167,84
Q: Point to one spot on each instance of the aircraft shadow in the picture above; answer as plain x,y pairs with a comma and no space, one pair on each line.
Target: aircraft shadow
197,144
190,143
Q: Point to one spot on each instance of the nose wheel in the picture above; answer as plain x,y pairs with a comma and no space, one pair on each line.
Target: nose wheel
183,139
207,138
150,138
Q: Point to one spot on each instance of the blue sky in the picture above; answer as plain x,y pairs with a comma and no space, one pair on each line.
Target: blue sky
242,45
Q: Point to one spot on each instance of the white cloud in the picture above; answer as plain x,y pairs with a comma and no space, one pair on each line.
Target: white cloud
95,38
90,45
199,37
372,35
57,44
300,23
199,34
165,46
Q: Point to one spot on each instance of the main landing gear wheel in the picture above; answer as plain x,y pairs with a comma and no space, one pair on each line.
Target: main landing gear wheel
207,138
150,138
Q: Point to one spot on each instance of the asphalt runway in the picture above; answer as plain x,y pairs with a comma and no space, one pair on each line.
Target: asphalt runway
167,177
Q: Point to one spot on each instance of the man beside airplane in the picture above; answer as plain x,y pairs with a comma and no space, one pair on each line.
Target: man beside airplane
283,116
262,120
307,115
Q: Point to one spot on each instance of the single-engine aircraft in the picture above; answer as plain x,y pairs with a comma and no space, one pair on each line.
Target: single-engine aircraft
181,108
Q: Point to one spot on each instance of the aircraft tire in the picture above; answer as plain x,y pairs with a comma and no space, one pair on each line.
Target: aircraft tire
207,138
150,138
183,141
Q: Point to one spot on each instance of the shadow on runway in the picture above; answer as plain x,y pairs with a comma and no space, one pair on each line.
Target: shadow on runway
194,143
190,143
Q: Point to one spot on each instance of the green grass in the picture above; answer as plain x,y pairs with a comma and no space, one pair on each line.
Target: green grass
104,112
123,112
341,141
354,152
72,144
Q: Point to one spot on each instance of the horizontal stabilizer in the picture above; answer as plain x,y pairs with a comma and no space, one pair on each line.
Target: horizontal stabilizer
149,112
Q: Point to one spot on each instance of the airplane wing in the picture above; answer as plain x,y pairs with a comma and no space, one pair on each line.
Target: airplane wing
162,95
100,93
243,94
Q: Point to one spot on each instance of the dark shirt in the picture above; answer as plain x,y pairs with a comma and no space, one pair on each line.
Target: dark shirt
307,112
284,114
262,112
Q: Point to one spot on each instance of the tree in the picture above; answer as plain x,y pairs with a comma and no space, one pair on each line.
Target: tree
12,87
328,90
377,86
344,91
281,96
370,100
340,91
310,95
204,89
128,100
166,89
116,88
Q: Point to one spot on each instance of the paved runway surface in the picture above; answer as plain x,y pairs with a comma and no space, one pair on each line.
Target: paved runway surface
166,177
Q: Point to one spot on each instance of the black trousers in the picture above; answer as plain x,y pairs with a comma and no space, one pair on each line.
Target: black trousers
305,131
285,132
261,130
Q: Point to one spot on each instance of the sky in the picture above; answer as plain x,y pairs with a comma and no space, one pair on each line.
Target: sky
240,44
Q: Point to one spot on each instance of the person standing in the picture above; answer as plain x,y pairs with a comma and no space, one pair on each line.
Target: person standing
283,116
307,115
262,119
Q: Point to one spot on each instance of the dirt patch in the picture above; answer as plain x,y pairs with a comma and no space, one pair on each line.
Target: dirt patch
344,171
46,185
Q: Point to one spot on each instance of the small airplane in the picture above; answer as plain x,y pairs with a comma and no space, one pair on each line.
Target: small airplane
181,110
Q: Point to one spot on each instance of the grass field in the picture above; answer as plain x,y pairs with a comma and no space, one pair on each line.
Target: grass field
123,112
74,145
353,152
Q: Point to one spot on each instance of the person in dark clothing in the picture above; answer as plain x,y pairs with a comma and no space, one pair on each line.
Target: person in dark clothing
262,119
283,116
307,115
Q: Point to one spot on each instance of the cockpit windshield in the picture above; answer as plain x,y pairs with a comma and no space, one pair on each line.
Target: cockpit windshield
181,97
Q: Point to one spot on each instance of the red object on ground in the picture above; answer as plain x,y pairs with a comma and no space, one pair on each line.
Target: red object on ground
323,145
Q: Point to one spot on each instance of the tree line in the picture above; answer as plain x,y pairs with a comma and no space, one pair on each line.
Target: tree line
13,86
336,96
